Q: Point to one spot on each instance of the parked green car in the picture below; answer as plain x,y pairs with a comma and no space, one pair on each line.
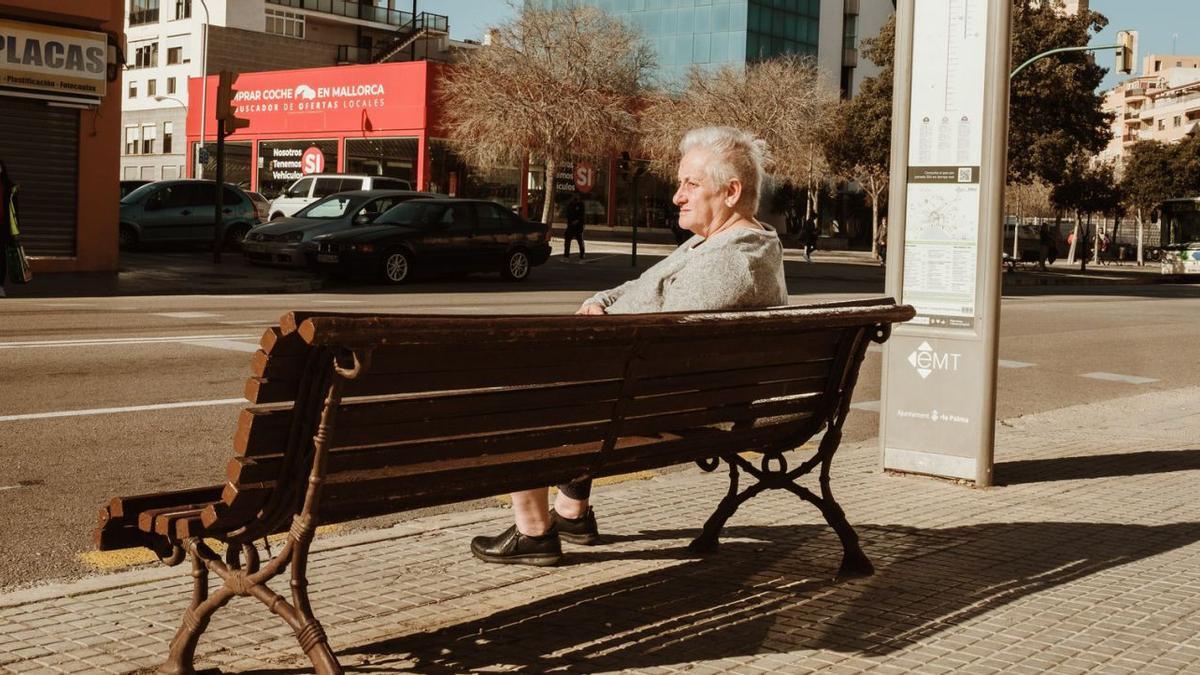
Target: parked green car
182,211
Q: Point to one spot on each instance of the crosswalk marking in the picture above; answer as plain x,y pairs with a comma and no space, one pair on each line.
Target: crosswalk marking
225,344
1005,363
1115,377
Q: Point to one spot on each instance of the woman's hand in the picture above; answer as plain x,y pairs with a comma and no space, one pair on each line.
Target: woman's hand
589,309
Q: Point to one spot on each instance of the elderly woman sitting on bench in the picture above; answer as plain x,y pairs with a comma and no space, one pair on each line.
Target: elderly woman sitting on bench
731,261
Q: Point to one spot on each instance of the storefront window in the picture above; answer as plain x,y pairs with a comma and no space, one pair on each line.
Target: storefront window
282,162
587,178
395,157
653,196
237,162
450,175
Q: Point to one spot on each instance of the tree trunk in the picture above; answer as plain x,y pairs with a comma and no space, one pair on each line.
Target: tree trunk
1141,260
1083,253
1016,252
874,223
1074,240
548,202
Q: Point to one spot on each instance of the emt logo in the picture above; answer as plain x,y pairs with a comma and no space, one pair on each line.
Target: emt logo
925,360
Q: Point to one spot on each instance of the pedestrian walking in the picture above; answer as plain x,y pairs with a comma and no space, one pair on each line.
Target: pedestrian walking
575,215
810,232
733,261
881,240
14,266
1046,250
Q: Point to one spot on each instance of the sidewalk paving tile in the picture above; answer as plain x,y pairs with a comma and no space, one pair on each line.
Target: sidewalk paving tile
1085,558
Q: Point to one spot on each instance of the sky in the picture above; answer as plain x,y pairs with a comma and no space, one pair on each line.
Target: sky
468,18
1163,26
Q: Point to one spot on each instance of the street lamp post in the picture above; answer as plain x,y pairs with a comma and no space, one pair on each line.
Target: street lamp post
160,99
203,88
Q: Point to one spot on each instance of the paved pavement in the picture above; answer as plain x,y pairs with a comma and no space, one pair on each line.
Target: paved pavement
1085,557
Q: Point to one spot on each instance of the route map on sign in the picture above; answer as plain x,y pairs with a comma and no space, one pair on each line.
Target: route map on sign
941,231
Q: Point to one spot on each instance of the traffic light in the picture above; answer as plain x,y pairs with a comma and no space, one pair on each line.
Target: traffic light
1126,50
226,107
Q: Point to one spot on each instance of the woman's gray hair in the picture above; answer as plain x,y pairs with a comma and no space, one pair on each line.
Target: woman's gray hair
738,154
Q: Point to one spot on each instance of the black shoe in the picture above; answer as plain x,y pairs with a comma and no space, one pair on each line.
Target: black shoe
515,548
582,530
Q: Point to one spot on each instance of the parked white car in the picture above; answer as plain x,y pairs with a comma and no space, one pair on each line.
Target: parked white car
318,186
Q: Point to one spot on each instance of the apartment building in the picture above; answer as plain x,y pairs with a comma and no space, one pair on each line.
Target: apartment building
714,33
1161,104
166,46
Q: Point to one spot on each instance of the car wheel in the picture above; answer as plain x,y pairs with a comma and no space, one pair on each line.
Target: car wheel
127,238
397,267
234,236
516,266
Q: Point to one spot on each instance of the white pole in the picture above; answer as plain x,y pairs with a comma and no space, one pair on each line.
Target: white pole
203,88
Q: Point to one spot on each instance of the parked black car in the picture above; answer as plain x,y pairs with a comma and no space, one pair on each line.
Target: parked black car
128,186
282,241
434,236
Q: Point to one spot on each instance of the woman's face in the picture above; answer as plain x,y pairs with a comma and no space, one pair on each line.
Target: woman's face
702,205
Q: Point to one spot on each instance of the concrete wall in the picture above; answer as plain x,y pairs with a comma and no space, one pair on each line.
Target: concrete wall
248,51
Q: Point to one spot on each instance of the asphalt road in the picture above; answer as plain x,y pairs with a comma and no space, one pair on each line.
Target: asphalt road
84,380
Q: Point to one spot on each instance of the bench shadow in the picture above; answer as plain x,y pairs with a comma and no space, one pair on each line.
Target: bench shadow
1096,466
768,590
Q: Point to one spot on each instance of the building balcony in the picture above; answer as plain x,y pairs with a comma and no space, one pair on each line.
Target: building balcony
1136,92
351,10
1131,138
1132,115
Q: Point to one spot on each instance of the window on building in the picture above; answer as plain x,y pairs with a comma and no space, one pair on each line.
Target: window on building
131,140
1178,121
183,9
149,133
850,32
142,12
168,133
146,56
133,90
170,85
151,87
1157,66
285,23
1162,124
174,55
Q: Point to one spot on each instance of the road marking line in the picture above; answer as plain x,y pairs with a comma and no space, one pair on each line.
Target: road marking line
872,406
185,315
249,322
103,342
1114,377
225,344
339,302
131,408
1005,363
65,304
11,487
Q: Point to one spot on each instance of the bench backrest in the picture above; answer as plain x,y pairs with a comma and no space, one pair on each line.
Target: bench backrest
451,408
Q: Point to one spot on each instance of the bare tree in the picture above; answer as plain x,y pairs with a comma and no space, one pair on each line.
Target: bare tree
553,84
783,100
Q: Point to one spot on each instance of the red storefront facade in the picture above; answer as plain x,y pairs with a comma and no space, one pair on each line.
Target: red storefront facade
384,119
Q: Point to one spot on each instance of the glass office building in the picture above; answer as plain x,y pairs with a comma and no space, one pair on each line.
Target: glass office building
714,33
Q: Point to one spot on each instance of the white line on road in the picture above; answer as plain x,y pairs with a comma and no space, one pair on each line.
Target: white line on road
249,322
872,406
186,315
225,344
132,408
105,342
1114,377
1005,363
339,302
11,487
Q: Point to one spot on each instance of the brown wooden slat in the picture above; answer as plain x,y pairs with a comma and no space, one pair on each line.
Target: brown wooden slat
716,379
260,390
158,520
716,398
187,527
276,343
264,470
131,506
280,367
238,504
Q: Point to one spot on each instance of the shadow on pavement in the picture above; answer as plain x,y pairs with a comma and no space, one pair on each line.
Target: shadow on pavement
768,590
1096,466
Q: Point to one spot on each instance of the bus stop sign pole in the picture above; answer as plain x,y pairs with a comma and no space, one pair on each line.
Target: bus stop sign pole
948,165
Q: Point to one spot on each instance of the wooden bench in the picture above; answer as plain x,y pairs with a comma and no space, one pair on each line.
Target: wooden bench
353,416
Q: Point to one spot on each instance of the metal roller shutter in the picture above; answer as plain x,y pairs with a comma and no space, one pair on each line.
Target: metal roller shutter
40,146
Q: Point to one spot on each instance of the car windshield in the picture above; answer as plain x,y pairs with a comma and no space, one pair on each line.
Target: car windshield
411,213
137,194
333,206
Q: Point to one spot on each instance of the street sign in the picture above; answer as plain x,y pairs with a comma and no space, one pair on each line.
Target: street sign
312,161
937,413
585,177
202,154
